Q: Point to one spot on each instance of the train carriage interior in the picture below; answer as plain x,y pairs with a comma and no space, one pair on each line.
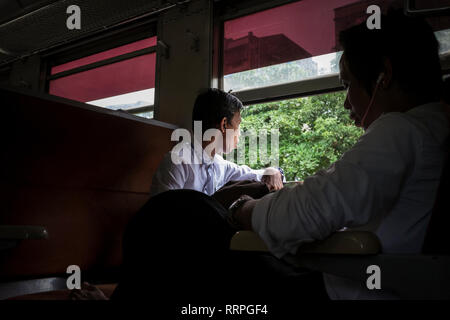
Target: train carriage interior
92,91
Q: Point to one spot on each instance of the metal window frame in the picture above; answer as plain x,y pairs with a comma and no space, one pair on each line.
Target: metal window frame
235,9
149,108
102,63
307,87
100,42
303,88
410,10
96,44
318,85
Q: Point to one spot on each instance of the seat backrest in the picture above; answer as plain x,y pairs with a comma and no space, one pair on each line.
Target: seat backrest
79,171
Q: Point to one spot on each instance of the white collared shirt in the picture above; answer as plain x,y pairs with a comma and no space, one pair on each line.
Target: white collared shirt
205,175
386,184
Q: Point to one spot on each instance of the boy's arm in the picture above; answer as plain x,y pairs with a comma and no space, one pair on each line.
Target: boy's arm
270,176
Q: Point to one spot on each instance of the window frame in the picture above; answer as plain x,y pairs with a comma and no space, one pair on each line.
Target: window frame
302,88
99,43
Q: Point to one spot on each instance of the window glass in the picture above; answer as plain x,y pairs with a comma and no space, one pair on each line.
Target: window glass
124,85
287,43
296,41
111,80
313,132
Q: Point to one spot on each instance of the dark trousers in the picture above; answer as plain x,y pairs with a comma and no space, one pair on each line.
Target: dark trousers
177,247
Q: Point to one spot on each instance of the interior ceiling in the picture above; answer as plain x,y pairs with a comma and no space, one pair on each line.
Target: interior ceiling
28,26
10,9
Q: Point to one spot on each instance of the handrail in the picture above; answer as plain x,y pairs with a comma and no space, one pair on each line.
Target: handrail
342,242
11,235
15,232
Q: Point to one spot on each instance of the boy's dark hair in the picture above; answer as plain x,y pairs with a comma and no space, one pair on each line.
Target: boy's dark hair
212,106
408,42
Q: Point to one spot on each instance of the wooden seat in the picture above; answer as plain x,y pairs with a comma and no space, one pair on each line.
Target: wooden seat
78,171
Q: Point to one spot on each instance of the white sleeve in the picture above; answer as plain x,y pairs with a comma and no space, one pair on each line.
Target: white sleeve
234,172
168,176
362,185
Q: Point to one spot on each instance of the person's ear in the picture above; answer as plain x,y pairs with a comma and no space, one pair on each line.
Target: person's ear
222,125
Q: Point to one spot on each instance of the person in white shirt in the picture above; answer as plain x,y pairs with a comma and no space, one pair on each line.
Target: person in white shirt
208,171
388,181
386,184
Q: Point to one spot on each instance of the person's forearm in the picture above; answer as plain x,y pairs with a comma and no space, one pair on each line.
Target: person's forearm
244,214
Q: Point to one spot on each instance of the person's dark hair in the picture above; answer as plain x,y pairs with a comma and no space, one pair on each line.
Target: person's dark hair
408,42
212,105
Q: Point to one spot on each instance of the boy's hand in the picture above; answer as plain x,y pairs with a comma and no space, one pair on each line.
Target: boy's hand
273,179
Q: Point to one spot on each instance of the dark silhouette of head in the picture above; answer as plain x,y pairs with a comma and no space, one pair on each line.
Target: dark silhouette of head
410,46
212,105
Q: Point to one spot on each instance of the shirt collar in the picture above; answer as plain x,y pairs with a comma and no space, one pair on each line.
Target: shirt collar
205,158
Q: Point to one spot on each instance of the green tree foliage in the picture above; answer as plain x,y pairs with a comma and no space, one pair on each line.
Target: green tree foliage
314,131
275,74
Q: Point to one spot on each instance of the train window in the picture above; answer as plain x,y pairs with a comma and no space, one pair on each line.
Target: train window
313,131
119,78
296,42
288,43
265,57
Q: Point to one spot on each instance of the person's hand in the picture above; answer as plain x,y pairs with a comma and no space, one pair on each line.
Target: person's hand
273,179
87,292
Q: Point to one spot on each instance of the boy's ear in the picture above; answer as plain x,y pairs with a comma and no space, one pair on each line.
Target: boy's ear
222,125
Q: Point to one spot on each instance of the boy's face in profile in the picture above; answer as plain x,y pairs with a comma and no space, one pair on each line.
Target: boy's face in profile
231,140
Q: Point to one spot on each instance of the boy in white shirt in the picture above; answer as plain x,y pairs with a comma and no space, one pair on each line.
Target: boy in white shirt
219,110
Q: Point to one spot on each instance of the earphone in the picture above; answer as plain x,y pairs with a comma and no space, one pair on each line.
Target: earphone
380,78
